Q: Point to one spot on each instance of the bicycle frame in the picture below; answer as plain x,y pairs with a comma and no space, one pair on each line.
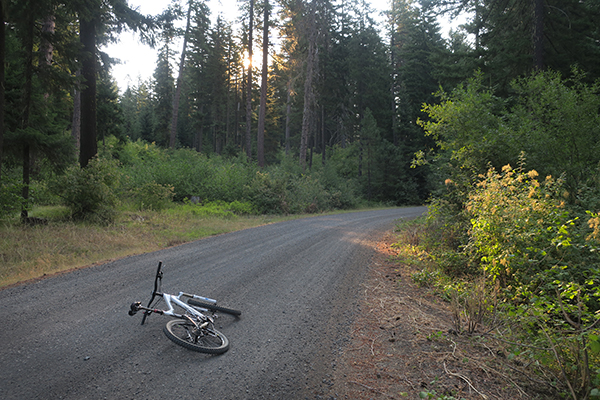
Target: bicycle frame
170,299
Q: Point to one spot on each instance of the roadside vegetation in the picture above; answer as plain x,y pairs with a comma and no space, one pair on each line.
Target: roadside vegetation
61,243
512,239
136,197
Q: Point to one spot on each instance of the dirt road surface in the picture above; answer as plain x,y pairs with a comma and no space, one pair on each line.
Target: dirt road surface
296,282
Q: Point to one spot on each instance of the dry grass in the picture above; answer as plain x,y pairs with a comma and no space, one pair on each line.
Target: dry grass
28,252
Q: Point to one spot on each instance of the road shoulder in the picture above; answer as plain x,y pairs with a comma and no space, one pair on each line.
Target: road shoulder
402,344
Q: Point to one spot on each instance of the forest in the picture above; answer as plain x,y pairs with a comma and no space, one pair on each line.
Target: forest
307,106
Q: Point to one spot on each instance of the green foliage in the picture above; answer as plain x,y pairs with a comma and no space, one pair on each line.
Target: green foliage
426,277
554,121
218,208
151,196
534,240
426,394
91,193
466,127
155,175
11,199
516,223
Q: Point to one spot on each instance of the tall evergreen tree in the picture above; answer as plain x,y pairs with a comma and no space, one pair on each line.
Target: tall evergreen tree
98,18
260,141
3,5
163,95
178,87
196,75
249,81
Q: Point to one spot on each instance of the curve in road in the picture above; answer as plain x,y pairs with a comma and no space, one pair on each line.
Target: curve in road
296,282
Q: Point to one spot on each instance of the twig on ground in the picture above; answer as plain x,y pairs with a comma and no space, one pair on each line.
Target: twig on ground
464,378
371,389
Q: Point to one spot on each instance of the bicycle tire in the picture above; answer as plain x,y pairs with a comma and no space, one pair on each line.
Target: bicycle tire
214,307
180,332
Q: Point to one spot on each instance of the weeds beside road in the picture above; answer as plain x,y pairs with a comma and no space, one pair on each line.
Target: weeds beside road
29,252
403,345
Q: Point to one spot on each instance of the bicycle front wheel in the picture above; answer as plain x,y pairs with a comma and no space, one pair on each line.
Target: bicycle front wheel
185,333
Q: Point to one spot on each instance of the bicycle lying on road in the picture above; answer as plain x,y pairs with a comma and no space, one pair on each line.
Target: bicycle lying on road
193,329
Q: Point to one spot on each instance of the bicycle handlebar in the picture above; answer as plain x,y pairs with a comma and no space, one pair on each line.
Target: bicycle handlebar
155,292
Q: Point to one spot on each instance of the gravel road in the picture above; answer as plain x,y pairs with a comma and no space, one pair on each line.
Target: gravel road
296,282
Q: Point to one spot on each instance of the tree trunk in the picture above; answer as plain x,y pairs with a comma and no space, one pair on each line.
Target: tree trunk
175,115
26,181
2,102
323,142
394,107
76,121
46,47
538,35
260,138
249,87
26,111
288,113
88,142
309,95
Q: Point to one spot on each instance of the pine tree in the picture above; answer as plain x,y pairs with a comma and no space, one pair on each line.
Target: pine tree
260,141
163,95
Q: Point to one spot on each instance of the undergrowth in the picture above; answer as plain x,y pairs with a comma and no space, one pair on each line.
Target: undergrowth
520,269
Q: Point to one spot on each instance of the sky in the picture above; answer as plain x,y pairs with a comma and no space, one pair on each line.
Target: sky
138,61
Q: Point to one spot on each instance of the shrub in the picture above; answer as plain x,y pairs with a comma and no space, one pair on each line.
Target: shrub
218,208
268,194
91,193
548,263
513,221
151,196
11,199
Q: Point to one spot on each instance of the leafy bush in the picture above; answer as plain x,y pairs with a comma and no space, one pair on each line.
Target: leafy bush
555,121
218,208
548,263
268,194
514,218
151,196
535,239
91,193
11,199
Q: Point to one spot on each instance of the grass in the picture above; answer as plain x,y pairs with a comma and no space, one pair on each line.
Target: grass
29,252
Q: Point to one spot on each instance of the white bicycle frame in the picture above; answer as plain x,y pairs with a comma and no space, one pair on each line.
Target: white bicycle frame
170,299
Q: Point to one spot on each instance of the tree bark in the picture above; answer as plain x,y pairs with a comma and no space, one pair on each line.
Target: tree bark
260,138
88,141
309,95
76,120
249,86
288,114
175,115
27,92
2,102
538,35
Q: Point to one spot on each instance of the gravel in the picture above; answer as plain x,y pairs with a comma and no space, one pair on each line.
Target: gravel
296,282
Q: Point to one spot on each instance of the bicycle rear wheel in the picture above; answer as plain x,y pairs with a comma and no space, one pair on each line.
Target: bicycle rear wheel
184,333
214,307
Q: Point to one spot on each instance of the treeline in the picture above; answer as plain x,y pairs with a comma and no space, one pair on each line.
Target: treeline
334,83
